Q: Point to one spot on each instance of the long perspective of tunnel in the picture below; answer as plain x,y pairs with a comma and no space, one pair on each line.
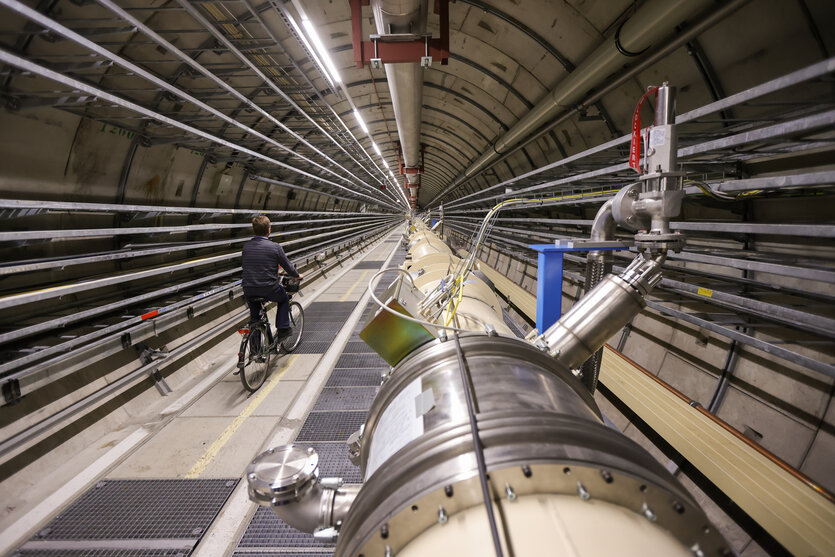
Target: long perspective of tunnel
566,278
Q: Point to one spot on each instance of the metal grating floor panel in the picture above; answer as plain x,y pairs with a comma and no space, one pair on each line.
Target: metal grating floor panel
268,531
330,426
317,336
366,377
311,346
360,360
341,399
329,307
360,347
369,265
328,315
334,463
141,509
331,327
99,553
281,553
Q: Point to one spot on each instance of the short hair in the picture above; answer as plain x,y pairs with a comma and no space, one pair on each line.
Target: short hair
261,225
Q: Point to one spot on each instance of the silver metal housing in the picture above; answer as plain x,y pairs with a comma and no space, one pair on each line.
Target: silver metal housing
535,420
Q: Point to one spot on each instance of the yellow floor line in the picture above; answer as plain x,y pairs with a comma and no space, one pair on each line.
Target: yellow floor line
359,281
213,450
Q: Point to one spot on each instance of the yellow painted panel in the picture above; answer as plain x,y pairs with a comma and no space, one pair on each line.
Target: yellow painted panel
798,516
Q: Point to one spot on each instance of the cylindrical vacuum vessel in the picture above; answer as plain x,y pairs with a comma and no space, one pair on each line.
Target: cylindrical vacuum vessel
562,481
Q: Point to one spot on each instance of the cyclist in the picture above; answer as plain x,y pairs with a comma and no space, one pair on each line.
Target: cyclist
261,259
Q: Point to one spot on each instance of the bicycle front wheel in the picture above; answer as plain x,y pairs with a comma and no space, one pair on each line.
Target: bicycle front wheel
255,358
296,328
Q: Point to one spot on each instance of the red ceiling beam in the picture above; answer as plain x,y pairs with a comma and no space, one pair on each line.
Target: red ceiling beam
399,51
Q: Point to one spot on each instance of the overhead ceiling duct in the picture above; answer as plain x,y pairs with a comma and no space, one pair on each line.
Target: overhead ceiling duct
652,22
406,18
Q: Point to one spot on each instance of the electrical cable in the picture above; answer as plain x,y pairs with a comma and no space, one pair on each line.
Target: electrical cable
478,448
406,317
710,192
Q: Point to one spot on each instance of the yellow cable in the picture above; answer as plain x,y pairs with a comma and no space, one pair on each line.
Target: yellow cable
460,286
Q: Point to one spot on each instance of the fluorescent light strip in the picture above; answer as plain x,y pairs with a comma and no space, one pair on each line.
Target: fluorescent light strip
320,48
361,122
377,148
312,50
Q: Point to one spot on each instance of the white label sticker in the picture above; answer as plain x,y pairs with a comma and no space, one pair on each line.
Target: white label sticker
657,136
424,403
397,427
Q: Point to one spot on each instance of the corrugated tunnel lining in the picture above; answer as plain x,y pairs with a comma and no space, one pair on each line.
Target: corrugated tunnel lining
340,409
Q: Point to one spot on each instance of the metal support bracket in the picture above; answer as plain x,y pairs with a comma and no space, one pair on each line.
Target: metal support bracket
549,276
147,356
391,49
11,391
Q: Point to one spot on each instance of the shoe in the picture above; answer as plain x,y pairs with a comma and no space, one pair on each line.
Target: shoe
283,333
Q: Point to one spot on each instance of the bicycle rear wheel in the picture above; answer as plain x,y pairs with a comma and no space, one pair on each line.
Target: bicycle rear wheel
296,328
255,358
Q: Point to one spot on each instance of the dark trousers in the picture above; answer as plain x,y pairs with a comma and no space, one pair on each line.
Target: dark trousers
274,294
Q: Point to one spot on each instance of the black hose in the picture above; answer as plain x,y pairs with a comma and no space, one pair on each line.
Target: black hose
478,447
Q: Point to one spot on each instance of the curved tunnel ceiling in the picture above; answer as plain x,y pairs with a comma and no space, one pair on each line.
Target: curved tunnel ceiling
506,56
243,75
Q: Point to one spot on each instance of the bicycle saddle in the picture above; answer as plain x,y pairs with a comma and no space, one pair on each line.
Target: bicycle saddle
257,300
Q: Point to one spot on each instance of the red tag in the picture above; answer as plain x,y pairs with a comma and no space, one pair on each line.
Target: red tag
150,314
635,145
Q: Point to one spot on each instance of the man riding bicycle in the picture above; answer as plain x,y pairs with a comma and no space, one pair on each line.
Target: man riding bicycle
260,260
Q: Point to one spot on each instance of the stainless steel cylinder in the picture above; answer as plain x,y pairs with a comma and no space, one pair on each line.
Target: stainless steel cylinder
545,448
508,374
592,321
665,105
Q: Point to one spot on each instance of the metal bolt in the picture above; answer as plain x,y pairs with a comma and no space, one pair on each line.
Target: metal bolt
448,490
384,531
443,518
697,551
632,193
607,476
388,552
648,513
252,476
630,218
511,495
526,470
583,492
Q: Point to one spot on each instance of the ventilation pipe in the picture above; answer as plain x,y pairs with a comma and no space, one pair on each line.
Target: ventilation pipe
406,18
652,22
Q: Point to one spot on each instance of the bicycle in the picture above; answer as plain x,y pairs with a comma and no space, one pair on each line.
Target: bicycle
254,354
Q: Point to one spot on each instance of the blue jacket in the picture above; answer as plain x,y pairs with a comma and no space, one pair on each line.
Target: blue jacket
260,260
